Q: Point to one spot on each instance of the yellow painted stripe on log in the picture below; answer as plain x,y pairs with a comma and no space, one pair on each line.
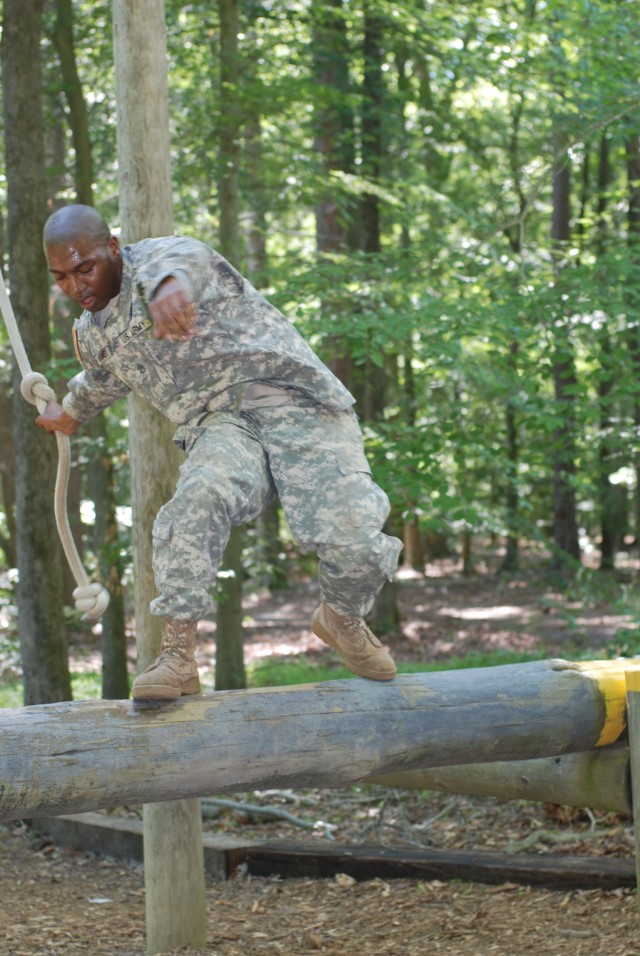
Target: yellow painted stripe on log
612,678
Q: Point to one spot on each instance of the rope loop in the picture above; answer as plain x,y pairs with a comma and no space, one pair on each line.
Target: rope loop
34,388
93,599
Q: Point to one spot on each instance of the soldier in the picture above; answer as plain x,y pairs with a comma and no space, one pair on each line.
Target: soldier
257,415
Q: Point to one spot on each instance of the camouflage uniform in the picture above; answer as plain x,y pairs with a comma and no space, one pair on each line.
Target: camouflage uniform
258,415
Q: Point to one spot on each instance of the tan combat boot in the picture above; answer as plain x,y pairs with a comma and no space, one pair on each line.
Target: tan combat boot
174,672
358,647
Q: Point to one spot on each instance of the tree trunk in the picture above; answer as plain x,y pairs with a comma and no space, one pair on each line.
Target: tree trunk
633,226
333,123
565,527
255,217
115,681
610,525
8,541
385,616
511,561
42,632
413,551
230,672
372,107
79,122
175,902
268,524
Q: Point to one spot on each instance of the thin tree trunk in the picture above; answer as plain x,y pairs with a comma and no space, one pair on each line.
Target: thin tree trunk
633,227
42,632
255,217
565,527
515,236
268,524
8,479
511,560
79,121
372,107
385,615
174,861
333,124
608,493
115,681
230,670
55,157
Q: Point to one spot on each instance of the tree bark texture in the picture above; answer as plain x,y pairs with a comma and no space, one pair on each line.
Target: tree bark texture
599,779
230,670
8,479
61,758
145,210
565,525
174,864
106,536
115,680
42,632
632,148
231,125
372,112
78,117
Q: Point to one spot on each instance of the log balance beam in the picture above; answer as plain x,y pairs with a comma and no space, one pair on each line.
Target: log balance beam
87,755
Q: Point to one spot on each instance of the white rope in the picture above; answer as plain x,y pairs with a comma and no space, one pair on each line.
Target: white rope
93,599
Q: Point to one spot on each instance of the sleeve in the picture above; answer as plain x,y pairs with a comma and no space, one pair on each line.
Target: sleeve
188,260
90,392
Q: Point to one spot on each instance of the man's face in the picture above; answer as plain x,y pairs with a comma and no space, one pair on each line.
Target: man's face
87,272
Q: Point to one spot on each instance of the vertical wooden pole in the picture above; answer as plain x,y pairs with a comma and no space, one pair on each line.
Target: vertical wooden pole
173,853
632,678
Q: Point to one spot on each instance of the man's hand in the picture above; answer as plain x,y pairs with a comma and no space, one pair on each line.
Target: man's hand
55,419
172,311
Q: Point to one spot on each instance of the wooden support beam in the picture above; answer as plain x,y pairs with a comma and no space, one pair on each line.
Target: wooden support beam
78,756
599,780
633,703
363,862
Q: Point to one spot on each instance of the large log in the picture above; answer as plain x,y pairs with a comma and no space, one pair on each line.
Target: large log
599,780
72,757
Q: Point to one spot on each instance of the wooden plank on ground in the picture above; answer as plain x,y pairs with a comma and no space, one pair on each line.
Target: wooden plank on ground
555,871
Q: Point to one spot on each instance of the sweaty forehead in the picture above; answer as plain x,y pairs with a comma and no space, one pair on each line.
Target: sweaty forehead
66,256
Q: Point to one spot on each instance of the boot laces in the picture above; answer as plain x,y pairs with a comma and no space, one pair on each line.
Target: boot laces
357,630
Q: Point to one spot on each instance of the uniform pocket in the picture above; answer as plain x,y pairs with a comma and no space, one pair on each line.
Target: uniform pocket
162,527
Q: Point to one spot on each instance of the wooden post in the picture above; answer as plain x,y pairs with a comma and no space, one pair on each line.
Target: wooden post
633,718
173,855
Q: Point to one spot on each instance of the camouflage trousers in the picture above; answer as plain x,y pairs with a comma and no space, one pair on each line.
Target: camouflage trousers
237,462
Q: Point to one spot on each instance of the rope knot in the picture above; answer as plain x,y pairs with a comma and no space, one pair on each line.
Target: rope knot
93,599
35,388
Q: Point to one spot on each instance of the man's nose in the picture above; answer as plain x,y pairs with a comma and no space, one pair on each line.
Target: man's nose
75,285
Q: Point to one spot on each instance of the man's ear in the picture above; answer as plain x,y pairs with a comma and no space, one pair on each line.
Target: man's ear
114,245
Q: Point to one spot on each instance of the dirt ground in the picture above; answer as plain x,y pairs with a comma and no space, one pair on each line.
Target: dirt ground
55,900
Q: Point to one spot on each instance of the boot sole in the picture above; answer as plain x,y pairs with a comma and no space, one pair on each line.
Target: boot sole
359,671
162,692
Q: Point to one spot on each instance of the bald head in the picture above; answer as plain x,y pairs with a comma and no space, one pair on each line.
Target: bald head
84,258
71,223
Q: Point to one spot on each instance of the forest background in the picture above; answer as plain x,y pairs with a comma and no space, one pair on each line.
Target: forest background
445,199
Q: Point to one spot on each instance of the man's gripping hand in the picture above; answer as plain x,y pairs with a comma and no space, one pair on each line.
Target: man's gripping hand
172,311
55,419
